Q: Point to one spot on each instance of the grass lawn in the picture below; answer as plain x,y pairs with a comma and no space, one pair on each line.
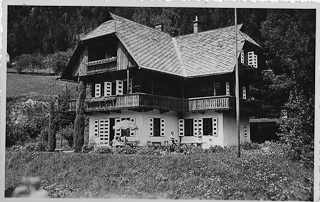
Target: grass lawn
256,175
26,84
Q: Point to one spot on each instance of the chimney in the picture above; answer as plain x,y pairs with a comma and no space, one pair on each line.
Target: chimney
159,27
196,27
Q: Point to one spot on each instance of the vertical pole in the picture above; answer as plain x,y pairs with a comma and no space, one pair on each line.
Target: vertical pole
237,83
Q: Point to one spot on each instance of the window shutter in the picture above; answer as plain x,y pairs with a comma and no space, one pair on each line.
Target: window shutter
162,127
227,88
244,92
130,86
97,90
195,126
255,61
117,132
132,132
104,131
96,128
251,58
107,89
181,127
214,126
119,87
200,126
242,57
245,131
151,126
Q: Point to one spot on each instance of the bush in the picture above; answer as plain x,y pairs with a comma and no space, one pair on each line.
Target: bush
35,146
127,150
216,149
87,148
250,145
103,150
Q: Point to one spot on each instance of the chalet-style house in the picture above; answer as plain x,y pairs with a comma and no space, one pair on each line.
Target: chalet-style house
183,84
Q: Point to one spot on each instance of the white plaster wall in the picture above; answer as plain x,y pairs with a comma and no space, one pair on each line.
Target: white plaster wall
207,140
230,128
142,122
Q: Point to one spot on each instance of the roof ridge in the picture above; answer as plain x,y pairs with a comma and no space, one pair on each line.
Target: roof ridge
175,45
239,26
114,15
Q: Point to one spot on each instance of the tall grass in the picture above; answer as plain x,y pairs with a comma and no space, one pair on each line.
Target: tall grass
200,176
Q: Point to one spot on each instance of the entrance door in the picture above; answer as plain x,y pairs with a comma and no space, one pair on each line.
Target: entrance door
104,126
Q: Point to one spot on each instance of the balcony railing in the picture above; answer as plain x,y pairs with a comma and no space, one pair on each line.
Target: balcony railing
205,103
142,100
109,64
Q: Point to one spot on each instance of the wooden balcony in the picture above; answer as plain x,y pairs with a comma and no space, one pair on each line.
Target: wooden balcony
104,65
207,103
141,100
131,101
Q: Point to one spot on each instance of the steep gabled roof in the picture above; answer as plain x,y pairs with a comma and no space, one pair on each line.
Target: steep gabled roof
197,54
210,52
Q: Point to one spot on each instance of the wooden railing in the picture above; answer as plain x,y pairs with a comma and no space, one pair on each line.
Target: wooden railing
136,100
205,103
109,64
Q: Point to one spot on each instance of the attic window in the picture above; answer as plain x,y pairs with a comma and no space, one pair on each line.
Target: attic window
249,58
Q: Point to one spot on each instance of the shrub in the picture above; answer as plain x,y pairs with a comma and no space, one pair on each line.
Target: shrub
250,145
127,150
87,148
35,146
215,149
103,150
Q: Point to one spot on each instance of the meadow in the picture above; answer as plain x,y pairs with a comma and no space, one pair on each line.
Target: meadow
258,174
33,85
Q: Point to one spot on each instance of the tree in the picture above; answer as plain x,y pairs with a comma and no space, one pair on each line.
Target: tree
58,61
52,127
290,47
79,123
28,61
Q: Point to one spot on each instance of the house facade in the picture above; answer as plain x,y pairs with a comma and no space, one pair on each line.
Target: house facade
164,84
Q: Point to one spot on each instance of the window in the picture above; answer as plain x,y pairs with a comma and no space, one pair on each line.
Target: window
188,127
156,127
207,126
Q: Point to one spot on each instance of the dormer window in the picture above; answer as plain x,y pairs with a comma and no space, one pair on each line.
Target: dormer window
249,58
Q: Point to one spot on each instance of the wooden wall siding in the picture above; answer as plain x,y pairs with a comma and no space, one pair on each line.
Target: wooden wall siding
82,69
124,59
103,67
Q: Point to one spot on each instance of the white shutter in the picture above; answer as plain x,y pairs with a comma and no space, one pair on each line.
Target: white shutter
214,126
181,127
162,127
245,131
119,87
107,89
96,128
132,132
104,132
255,61
195,126
117,132
200,127
151,126
97,90
227,88
130,86
242,57
244,92
251,58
